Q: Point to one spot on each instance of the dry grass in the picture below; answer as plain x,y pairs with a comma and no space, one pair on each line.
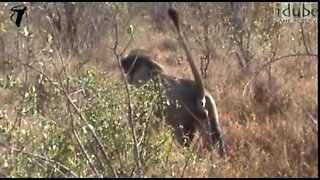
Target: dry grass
268,133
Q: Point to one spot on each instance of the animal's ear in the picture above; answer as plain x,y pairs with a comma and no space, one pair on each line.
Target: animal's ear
154,72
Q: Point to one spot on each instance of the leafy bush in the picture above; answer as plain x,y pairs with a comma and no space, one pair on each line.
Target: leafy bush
90,139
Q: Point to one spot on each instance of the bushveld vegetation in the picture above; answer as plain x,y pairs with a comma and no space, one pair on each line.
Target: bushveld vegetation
65,108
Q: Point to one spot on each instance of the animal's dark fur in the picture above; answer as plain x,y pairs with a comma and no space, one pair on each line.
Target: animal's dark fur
191,115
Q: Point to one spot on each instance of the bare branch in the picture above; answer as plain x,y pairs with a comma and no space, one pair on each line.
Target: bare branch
187,161
313,120
284,57
304,39
83,150
91,130
272,61
52,163
131,124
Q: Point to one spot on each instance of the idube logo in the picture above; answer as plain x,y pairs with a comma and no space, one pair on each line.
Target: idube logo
296,12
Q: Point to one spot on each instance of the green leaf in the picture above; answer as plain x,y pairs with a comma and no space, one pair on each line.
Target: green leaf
130,29
2,28
70,161
71,148
50,38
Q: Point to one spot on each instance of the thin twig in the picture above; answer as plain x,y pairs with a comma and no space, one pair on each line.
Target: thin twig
131,124
57,85
82,148
168,155
187,162
272,61
75,107
122,167
42,158
304,39
313,120
283,57
64,70
124,50
91,130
